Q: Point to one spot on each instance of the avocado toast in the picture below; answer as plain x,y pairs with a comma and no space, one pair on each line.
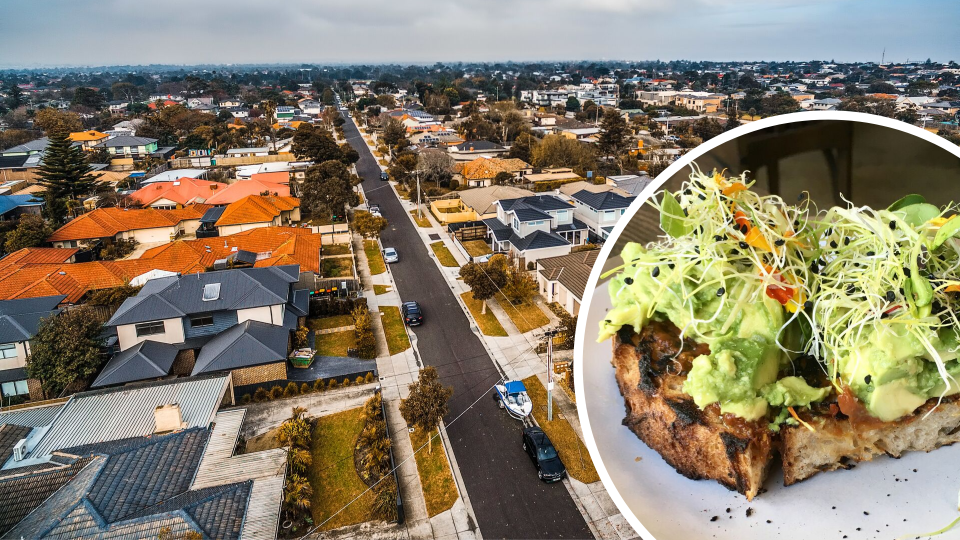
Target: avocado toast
721,331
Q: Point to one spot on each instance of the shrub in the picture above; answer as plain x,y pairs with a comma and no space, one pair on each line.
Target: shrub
345,383
276,392
299,337
363,332
360,380
291,390
333,384
261,395
305,388
245,399
319,385
368,378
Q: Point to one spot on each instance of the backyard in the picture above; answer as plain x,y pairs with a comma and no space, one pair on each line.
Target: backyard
526,316
327,323
333,475
439,489
397,340
443,254
336,344
338,267
374,257
336,249
488,322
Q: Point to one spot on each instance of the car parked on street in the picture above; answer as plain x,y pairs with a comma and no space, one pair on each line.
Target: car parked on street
390,255
412,314
375,210
384,176
544,456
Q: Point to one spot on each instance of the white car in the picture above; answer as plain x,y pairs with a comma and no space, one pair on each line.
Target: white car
390,255
375,210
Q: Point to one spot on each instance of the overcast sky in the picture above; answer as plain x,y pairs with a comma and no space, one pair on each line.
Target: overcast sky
105,32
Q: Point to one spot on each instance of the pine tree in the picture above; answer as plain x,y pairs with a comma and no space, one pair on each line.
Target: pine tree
65,174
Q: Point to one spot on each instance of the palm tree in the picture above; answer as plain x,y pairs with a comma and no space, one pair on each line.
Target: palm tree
297,493
299,459
270,112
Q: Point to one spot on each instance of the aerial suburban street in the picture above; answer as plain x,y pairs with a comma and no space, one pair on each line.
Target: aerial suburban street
508,499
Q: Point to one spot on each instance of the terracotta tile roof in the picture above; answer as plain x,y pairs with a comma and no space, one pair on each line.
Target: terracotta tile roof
108,222
255,186
35,255
182,191
276,177
256,209
483,168
83,136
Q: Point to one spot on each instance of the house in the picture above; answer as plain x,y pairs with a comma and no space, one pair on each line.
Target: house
118,106
146,226
559,174
285,112
825,104
470,150
600,210
434,139
255,211
35,146
151,460
236,321
19,321
564,279
176,194
630,184
257,185
702,102
129,147
310,106
20,167
88,139
174,175
535,226
14,206
584,134
482,201
481,171
248,152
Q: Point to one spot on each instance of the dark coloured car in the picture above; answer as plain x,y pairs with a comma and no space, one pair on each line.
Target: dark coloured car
384,176
541,451
412,314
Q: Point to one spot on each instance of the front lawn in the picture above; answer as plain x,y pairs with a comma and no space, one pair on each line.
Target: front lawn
374,257
338,267
381,289
488,323
329,322
527,316
439,489
572,451
336,249
477,248
336,344
333,476
443,254
421,221
397,340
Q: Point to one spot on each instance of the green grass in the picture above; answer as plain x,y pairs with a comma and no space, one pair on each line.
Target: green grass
335,344
339,267
525,317
572,451
397,340
477,248
421,221
336,249
488,322
439,489
330,322
374,257
443,254
381,289
332,475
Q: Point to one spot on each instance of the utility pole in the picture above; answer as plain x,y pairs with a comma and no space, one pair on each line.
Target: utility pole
419,210
549,335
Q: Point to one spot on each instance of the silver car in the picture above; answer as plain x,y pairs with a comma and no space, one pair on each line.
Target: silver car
390,255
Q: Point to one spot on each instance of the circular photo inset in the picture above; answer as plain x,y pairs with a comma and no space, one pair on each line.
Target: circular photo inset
769,343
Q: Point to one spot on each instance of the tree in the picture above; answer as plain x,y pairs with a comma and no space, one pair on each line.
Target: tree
315,144
368,225
779,103
706,128
112,297
522,147
86,97
615,133
502,178
519,286
67,347
427,403
14,96
66,176
573,104
363,332
484,280
31,231
327,189
435,166
559,151
394,132
50,120
732,122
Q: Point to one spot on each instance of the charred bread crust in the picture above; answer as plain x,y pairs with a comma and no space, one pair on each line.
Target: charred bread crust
839,441
699,444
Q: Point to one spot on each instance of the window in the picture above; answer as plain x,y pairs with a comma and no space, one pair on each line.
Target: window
150,328
516,223
15,388
562,214
200,321
8,350
609,214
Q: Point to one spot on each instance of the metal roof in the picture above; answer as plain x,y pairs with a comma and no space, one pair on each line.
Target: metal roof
109,415
36,416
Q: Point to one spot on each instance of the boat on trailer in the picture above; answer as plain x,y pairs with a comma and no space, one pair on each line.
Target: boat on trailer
512,397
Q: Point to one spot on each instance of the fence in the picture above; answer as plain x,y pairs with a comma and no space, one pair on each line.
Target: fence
223,161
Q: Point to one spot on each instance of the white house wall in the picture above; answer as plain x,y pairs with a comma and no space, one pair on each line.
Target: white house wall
266,314
172,333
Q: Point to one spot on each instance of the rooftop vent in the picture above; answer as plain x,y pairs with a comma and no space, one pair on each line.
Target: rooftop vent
211,291
168,418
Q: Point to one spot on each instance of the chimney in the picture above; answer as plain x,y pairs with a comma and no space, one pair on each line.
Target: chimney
168,418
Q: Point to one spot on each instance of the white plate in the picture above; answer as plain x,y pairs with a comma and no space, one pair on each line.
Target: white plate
885,498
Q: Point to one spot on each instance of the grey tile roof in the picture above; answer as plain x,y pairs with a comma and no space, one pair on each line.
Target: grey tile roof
126,140
13,374
120,413
35,145
173,297
145,360
10,435
530,214
537,240
607,200
500,231
250,343
20,318
478,146
539,202
575,225
24,490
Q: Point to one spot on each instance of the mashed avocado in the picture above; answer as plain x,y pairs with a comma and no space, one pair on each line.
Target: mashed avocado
740,326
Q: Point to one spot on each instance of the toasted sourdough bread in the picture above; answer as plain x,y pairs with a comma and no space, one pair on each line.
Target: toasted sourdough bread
699,444
838,441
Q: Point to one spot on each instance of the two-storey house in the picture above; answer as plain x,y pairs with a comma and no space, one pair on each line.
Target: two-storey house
19,321
534,227
233,320
600,211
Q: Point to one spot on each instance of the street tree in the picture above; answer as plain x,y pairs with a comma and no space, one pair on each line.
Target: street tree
484,281
368,225
436,166
66,175
427,403
315,144
67,347
394,132
519,286
31,231
327,189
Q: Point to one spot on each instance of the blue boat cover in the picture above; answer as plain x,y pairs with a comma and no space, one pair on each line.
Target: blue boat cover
515,387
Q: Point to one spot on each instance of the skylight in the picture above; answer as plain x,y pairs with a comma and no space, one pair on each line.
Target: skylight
211,291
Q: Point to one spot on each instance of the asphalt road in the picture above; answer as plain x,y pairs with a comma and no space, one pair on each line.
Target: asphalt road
507,497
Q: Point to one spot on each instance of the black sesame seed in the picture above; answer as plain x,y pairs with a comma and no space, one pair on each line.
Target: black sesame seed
656,271
829,232
714,518
906,271
720,291
808,304
870,254
867,379
896,252
846,241
696,250
718,238
687,191
851,289
833,244
891,296
734,251
801,196
901,292
743,245
780,242
628,280
698,184
685,212
702,197
893,225
671,265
